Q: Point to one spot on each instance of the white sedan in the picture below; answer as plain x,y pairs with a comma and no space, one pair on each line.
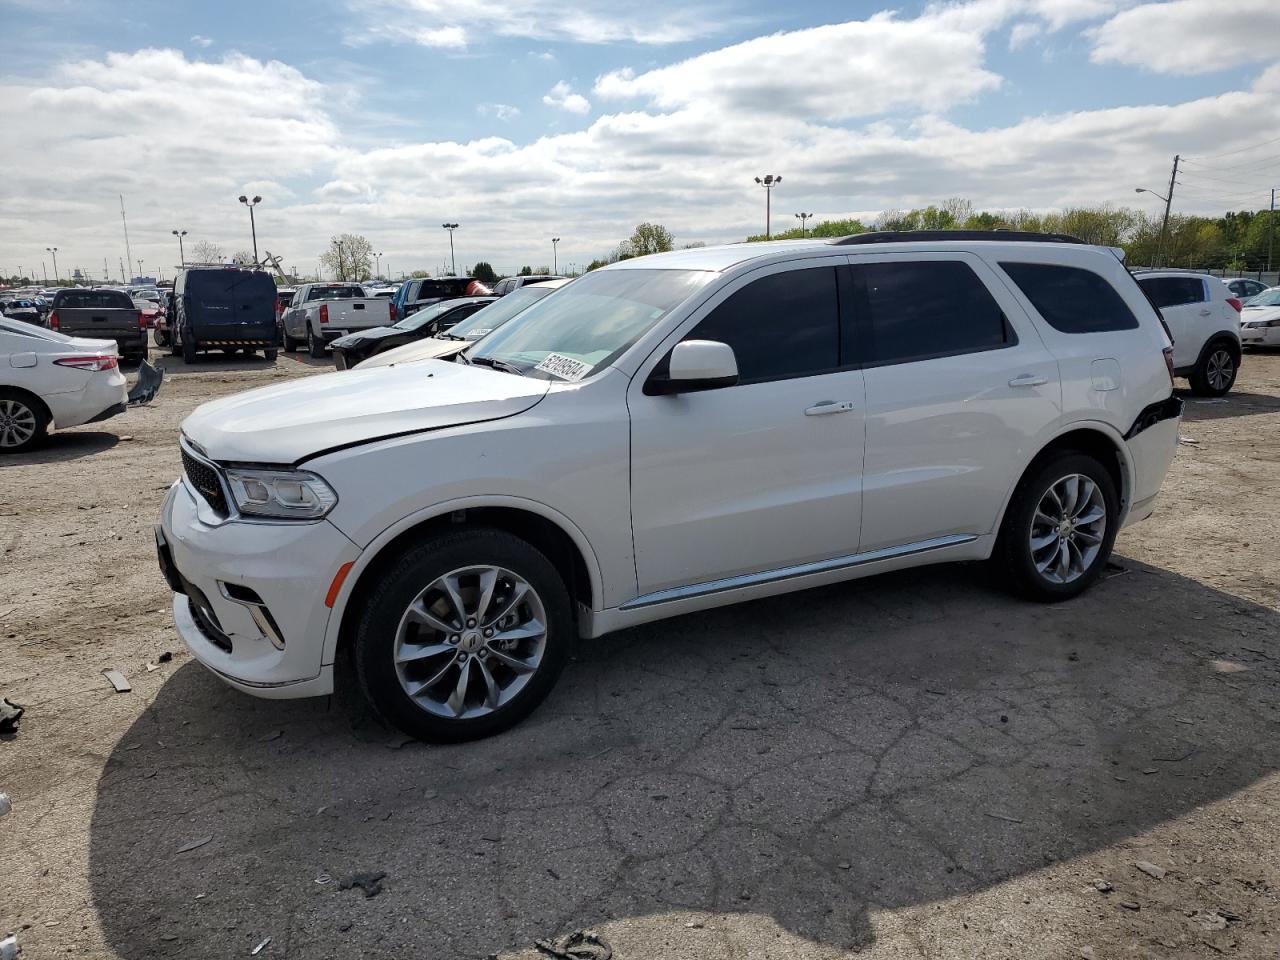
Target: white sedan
47,377
1260,320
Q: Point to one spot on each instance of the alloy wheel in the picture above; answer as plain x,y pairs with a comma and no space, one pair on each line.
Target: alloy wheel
470,642
1067,528
17,423
1219,370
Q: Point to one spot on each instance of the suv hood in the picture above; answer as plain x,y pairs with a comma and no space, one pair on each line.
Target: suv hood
288,422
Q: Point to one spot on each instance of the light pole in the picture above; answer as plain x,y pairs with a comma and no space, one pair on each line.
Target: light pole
253,227
342,266
377,268
555,262
54,251
182,257
1271,228
451,227
802,217
769,181
139,268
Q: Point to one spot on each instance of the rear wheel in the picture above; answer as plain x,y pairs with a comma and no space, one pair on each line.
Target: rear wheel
1059,528
23,422
188,350
1215,374
290,344
271,353
464,636
315,346
161,337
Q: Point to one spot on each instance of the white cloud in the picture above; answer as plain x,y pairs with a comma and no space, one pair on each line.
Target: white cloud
201,41
461,22
1022,32
1190,36
562,97
503,111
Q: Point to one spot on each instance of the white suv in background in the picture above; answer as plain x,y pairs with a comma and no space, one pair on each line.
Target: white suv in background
664,435
1203,317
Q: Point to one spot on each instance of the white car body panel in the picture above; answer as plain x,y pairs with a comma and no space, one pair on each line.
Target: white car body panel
676,502
430,349
1260,326
1194,324
73,396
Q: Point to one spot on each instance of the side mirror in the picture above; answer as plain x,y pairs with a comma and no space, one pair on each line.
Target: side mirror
696,365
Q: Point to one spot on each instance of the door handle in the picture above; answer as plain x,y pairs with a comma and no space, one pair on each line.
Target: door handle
1028,380
1205,313
825,407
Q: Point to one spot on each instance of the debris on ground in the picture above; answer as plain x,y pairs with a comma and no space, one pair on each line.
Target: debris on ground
1190,441
166,657
1151,870
194,844
258,949
9,949
1001,816
1209,921
10,714
6,805
579,945
273,735
1102,886
117,680
370,883
1130,905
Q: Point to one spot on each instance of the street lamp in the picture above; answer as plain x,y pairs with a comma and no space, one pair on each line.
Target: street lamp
1164,224
769,181
342,266
451,227
377,265
182,257
555,263
139,268
54,251
802,217
253,228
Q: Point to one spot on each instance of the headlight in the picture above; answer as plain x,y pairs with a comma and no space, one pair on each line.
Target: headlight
284,494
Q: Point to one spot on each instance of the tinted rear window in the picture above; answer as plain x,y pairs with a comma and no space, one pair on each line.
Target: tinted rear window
94,300
1070,299
442,288
348,292
1174,291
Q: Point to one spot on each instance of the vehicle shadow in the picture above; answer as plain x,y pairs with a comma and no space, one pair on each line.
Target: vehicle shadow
61,446
211,361
1237,403
798,761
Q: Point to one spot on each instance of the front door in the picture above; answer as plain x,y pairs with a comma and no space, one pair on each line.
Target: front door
764,474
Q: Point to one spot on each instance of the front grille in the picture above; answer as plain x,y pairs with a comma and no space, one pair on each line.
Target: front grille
205,480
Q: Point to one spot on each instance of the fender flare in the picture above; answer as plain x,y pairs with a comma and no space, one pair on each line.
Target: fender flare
373,549
1128,470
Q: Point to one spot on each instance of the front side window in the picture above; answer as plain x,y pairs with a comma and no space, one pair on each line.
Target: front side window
915,310
588,323
1174,291
783,325
1070,299
495,314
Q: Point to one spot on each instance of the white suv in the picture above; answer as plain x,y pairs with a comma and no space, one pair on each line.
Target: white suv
664,435
1204,320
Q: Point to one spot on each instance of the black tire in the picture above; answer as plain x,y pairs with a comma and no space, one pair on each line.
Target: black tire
27,413
380,615
315,346
1013,559
1215,374
188,350
161,337
271,353
175,347
290,344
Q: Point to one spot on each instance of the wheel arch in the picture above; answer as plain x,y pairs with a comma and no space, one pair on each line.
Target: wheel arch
549,531
1094,437
1221,337
28,395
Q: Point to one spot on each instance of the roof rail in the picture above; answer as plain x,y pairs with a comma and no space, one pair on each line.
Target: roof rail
930,236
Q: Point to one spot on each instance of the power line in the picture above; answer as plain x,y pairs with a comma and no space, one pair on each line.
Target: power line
1230,153
1254,164
1205,176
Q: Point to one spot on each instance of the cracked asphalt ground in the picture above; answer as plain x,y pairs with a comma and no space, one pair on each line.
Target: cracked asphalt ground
915,765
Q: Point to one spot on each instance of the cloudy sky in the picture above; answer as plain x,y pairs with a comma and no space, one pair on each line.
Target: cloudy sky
528,119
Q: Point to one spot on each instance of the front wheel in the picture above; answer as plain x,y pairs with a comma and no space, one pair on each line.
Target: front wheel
23,422
1215,375
464,636
290,344
188,350
270,353
1059,528
161,337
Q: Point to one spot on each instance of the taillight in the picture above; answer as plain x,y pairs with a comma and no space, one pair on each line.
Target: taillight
93,364
53,320
142,321
1168,362
1235,302
391,307
324,313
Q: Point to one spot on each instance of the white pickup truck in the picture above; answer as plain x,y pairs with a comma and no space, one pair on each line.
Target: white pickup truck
322,312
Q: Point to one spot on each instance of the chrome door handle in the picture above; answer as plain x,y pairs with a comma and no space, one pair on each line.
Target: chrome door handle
825,407
1028,380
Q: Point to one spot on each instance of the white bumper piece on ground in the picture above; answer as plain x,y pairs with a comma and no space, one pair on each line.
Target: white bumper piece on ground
250,595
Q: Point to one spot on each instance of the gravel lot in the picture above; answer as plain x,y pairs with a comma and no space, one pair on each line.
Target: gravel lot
910,766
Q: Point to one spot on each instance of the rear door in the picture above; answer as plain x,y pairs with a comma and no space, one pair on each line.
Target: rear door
959,385
1184,304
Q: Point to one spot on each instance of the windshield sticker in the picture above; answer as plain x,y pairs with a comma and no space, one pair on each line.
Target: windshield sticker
480,332
564,367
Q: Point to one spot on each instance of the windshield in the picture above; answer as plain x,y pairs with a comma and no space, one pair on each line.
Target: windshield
1267,298
426,315
499,312
335,293
593,319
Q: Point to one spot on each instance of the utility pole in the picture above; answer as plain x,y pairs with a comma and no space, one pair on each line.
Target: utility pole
1271,228
123,278
182,257
54,251
1168,202
44,273
555,263
127,252
106,271
451,227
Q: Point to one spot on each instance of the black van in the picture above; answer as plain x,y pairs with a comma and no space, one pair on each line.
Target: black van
226,309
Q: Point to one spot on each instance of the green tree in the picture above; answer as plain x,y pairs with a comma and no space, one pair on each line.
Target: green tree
525,272
420,274
349,257
650,238
484,272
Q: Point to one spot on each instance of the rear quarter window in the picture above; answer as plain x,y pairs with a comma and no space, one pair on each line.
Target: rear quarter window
1174,291
1071,299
